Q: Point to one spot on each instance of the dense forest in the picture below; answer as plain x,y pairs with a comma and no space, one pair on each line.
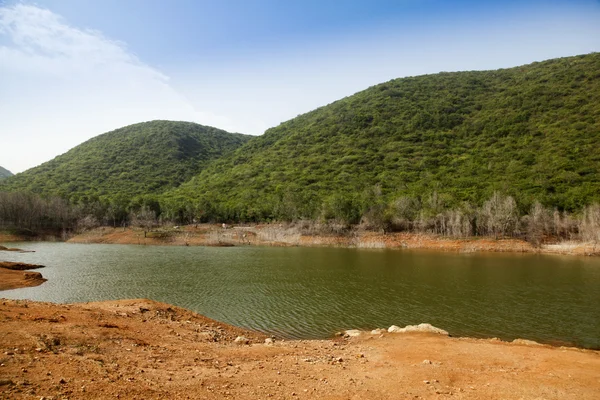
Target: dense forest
4,173
442,141
507,152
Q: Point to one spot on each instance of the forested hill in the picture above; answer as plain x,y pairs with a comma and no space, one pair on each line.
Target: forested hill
4,173
138,159
532,132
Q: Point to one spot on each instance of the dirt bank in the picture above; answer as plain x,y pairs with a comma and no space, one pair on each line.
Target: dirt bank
14,275
9,237
147,350
3,248
281,235
14,279
18,266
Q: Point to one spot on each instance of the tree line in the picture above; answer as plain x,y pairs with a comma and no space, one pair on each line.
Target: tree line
497,217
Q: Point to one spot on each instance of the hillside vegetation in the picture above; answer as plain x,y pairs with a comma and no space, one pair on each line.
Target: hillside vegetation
509,152
136,160
4,173
443,141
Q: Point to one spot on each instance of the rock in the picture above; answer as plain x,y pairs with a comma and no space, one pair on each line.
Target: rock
241,340
426,382
377,331
269,341
426,362
352,333
32,276
6,382
428,328
526,342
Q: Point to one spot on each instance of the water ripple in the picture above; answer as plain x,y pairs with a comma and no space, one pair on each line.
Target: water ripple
312,293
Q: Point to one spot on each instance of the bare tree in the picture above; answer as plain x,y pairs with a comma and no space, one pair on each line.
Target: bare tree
144,218
589,226
499,215
538,224
564,225
87,222
459,223
30,212
404,211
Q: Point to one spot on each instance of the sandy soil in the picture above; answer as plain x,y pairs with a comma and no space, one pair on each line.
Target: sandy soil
13,275
13,279
3,248
280,235
7,237
18,266
146,350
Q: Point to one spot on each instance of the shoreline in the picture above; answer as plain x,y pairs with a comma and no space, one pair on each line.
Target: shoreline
15,275
146,349
277,235
15,279
284,235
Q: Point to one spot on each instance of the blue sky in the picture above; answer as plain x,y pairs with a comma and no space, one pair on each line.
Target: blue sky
72,69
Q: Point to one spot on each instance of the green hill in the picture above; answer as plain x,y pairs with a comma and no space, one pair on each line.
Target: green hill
4,173
532,132
140,159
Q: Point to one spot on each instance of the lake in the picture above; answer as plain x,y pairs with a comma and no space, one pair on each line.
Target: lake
313,292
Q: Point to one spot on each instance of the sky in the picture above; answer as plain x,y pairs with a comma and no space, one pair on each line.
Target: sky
73,69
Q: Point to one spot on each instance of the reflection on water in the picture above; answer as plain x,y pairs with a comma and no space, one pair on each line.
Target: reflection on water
314,292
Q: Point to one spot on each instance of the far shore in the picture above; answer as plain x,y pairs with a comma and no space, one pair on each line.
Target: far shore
289,235
278,235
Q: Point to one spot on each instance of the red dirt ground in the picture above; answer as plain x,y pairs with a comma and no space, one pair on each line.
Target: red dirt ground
140,349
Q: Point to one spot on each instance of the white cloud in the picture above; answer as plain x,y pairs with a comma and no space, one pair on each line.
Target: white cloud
60,86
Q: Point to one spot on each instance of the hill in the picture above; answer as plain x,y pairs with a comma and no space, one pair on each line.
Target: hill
139,159
4,173
532,132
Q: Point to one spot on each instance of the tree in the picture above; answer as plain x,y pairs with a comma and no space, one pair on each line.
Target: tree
144,218
538,223
589,227
499,215
404,211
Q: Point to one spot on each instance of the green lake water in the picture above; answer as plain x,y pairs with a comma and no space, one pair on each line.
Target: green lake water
314,292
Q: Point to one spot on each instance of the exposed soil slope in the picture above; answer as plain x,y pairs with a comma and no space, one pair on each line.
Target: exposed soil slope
147,350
